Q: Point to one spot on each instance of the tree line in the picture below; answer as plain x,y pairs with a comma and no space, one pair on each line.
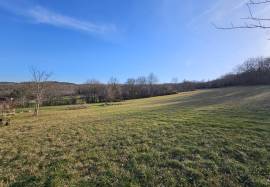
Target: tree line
41,91
94,91
254,71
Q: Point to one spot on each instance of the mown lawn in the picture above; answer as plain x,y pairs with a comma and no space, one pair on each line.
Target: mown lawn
217,137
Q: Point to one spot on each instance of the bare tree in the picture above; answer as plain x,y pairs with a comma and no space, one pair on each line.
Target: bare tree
93,90
114,92
141,80
131,88
152,80
141,83
251,21
39,83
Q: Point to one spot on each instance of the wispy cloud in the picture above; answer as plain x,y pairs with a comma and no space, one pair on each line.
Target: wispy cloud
205,13
42,15
218,11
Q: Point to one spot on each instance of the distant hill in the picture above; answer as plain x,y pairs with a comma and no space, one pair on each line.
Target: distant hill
59,88
1,83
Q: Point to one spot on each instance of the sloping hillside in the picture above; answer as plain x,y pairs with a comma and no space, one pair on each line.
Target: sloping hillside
218,137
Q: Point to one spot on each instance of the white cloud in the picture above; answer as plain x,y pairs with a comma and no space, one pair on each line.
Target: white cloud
41,15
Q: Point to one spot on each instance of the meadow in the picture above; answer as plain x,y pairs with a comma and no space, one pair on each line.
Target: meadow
215,137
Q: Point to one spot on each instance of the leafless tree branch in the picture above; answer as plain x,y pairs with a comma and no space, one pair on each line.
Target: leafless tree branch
253,22
251,2
39,80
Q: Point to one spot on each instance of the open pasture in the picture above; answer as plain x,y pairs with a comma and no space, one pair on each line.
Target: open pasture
218,137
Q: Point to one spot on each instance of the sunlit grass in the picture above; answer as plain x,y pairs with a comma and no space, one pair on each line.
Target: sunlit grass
208,138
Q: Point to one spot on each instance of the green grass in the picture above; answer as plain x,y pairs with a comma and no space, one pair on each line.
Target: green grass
215,137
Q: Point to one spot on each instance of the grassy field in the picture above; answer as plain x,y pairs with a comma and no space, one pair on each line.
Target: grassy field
215,137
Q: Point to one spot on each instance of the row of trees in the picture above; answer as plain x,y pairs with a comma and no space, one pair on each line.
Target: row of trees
40,91
255,71
94,91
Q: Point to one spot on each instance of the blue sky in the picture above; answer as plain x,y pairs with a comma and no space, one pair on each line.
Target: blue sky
84,39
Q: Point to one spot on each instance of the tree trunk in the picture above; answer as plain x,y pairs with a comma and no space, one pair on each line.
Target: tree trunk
36,112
